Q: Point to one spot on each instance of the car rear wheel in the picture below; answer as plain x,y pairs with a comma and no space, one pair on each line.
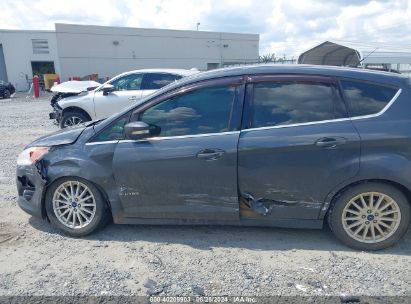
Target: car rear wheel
370,216
6,94
71,119
76,206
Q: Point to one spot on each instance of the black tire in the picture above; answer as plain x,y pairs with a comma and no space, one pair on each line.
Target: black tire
72,115
6,94
101,216
336,211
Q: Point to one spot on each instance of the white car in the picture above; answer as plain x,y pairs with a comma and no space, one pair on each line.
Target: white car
73,107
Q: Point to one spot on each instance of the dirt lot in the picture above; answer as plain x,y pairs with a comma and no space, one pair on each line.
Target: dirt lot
35,259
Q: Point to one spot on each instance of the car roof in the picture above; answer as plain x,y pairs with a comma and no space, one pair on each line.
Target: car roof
357,73
181,72
297,69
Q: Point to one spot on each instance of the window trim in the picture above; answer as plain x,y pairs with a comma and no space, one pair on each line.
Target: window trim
389,104
245,83
159,138
331,120
347,100
104,142
316,79
291,77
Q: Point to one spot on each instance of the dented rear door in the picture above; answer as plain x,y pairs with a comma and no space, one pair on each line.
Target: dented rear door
296,145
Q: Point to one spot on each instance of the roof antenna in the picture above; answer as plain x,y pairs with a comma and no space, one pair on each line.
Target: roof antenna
368,55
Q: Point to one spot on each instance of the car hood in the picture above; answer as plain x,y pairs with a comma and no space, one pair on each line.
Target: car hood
75,86
62,137
68,100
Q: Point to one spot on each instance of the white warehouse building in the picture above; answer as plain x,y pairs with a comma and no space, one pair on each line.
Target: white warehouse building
79,50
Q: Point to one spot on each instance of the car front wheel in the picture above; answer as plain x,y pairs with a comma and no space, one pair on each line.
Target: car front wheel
71,119
6,94
76,206
370,216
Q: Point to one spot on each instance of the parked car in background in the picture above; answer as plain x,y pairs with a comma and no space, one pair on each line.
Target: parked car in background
71,88
287,146
112,96
6,89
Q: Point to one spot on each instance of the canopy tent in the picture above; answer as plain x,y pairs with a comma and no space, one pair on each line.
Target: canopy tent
355,54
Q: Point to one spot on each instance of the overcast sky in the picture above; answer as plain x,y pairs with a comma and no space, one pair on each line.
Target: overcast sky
285,26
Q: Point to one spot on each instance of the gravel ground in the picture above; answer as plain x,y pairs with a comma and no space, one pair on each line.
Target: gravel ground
36,259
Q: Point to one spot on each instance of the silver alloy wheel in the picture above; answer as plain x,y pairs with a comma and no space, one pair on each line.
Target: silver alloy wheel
73,121
371,217
74,204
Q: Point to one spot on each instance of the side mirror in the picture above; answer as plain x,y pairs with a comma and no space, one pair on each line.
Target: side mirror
108,88
136,130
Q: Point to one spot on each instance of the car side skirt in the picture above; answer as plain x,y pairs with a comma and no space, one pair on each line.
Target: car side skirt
280,223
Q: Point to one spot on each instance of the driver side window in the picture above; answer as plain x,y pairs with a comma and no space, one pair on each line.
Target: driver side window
128,82
201,111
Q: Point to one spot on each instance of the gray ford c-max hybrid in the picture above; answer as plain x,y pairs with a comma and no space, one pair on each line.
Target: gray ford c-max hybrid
284,146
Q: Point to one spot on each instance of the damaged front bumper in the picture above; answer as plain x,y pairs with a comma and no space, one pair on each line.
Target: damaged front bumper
57,113
31,189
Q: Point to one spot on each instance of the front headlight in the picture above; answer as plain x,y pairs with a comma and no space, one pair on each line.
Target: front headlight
31,155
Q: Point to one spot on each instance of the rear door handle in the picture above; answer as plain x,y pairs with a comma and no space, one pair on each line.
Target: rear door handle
330,142
210,154
132,98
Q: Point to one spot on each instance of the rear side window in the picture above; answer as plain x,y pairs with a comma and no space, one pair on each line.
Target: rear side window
155,81
365,98
284,103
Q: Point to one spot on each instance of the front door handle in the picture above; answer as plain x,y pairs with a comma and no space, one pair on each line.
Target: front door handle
330,142
132,98
210,154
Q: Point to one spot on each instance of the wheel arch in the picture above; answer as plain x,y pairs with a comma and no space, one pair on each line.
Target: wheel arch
76,109
50,184
333,196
